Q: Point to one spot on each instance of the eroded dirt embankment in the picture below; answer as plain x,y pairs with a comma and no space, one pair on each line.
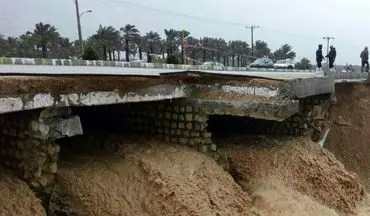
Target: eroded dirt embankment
349,137
275,176
16,198
289,172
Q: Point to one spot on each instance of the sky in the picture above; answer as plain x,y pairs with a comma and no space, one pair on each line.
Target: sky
300,23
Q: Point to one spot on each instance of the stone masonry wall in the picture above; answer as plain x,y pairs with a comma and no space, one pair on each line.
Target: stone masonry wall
28,147
171,121
309,117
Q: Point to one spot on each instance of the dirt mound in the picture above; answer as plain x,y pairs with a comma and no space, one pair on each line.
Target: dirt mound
276,199
349,122
299,164
17,198
148,179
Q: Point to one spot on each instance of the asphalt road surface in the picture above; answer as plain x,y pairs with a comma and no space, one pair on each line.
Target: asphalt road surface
89,70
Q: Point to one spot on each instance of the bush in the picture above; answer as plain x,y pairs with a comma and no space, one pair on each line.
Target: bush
90,54
172,59
304,64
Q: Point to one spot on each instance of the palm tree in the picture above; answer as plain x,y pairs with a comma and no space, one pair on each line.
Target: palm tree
172,37
108,37
130,32
27,46
3,45
261,49
62,48
154,41
45,35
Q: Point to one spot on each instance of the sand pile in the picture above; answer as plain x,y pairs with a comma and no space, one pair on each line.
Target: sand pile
16,198
349,136
148,179
295,163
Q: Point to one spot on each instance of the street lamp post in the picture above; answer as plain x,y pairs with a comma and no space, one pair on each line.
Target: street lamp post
330,73
78,15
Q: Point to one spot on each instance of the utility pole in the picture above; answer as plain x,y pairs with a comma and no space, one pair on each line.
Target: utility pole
252,27
79,15
79,25
330,74
183,55
328,43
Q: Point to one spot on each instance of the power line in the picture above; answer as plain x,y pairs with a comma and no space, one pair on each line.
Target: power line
143,7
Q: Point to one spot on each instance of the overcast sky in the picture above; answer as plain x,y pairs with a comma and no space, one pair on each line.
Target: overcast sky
301,23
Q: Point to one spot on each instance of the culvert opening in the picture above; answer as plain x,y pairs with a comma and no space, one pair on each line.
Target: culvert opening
223,126
100,123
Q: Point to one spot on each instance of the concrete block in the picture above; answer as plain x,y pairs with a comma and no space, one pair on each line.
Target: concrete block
213,147
189,109
68,127
189,117
195,134
168,115
178,132
183,141
186,134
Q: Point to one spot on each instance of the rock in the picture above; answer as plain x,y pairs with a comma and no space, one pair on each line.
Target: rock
38,173
189,126
44,129
213,147
204,149
53,168
189,117
34,125
195,134
181,125
206,135
183,141
189,109
167,115
186,134
178,132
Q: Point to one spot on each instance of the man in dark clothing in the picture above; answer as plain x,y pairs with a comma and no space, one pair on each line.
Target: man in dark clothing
319,57
331,55
365,60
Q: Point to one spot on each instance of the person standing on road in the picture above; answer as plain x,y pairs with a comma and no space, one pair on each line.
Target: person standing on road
365,60
319,58
331,55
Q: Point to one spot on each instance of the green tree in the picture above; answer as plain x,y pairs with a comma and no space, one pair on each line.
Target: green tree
12,47
45,35
3,45
261,49
27,46
153,42
192,49
108,38
304,64
284,52
89,54
172,37
130,32
62,48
